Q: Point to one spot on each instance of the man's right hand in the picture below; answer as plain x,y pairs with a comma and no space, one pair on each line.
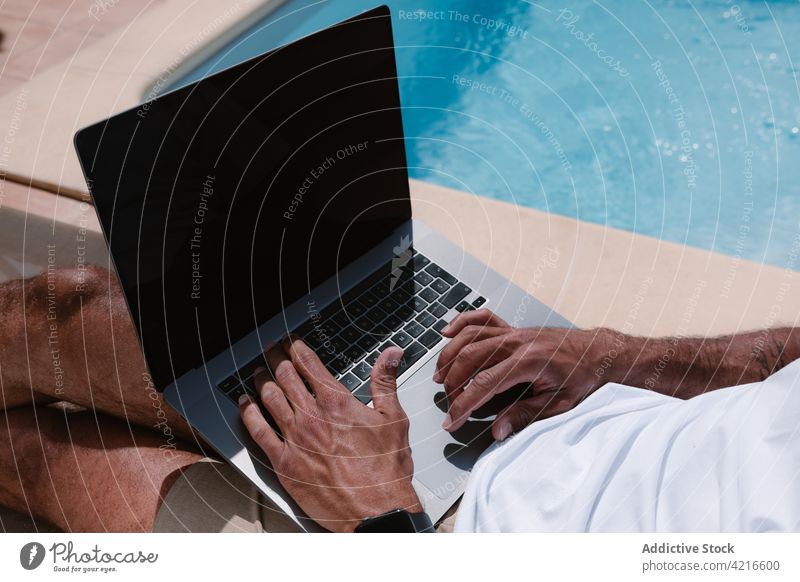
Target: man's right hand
487,356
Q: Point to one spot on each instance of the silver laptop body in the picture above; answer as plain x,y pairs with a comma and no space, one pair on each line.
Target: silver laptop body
207,193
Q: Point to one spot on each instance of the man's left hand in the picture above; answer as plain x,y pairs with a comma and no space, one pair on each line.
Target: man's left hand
340,460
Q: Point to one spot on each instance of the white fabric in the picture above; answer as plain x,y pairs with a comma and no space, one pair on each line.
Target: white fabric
630,460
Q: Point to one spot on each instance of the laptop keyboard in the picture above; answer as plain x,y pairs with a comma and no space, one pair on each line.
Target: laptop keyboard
394,306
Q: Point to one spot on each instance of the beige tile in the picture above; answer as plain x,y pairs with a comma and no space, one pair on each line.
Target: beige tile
8,83
46,206
52,50
21,36
598,276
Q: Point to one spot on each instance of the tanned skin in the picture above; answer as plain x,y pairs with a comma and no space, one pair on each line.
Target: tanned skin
106,469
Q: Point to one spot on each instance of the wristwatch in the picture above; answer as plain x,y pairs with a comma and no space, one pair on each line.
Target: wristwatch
396,521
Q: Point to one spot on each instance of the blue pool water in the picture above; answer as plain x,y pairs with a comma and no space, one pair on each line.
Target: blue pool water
674,119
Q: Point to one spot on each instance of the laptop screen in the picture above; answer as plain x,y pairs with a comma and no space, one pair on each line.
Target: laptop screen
225,201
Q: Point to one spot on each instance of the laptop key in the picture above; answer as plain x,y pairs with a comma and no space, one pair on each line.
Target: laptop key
393,322
423,278
440,286
404,312
363,323
368,300
339,364
414,329
417,304
350,381
400,295
402,339
428,295
354,309
228,383
341,319
437,309
236,393
315,339
372,358
456,294
363,393
381,332
330,327
385,346
362,370
425,319
388,305
464,306
339,344
479,302
429,339
410,356
420,261
367,342
440,325
437,271
376,314
355,353
351,334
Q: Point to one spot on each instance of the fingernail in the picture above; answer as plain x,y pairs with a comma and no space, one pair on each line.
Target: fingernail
437,375
447,422
504,430
244,399
258,370
446,328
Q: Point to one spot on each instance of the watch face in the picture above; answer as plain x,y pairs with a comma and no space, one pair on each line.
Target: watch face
398,521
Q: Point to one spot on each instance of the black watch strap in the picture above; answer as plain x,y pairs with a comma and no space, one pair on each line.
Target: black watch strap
397,521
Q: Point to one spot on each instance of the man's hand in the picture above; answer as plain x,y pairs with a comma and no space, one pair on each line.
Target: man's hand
487,356
340,460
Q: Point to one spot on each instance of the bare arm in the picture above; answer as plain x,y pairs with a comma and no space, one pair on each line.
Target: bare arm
686,367
486,356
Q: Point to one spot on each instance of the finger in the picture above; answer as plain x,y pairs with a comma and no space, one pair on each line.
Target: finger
274,400
260,431
450,352
482,317
484,385
474,357
310,367
517,416
383,381
288,379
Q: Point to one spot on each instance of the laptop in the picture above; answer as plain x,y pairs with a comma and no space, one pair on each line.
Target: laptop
273,197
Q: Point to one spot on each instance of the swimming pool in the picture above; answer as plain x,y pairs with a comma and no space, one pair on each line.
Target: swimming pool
673,119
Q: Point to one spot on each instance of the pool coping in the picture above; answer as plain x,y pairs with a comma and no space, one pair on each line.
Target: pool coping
593,274
109,75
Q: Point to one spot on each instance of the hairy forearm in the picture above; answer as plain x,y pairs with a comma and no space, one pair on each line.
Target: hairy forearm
686,367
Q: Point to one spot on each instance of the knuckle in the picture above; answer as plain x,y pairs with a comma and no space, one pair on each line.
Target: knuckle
465,355
384,379
304,357
284,372
268,394
485,380
402,423
473,329
259,433
524,415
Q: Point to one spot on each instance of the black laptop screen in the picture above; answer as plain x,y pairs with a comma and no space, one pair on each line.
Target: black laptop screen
228,199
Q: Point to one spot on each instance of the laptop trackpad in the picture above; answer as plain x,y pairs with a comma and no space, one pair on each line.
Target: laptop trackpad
442,461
